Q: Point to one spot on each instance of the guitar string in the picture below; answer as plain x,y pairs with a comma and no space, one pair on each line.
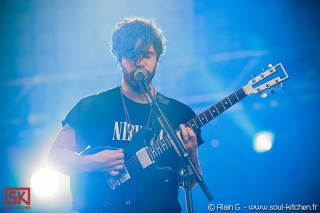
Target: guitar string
134,161
232,100
135,158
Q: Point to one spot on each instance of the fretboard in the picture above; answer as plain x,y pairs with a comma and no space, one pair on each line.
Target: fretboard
161,146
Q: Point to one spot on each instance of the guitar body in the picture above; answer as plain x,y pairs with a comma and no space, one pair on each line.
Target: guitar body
100,191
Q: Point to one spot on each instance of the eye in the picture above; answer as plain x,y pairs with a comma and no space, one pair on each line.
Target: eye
147,55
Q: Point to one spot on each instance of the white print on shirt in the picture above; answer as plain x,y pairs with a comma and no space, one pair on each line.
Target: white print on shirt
124,131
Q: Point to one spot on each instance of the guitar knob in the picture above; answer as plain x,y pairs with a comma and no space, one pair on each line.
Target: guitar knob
263,95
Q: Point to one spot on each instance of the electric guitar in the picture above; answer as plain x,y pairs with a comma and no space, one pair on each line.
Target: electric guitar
140,158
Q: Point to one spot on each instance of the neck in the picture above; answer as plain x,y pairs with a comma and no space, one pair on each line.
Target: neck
136,94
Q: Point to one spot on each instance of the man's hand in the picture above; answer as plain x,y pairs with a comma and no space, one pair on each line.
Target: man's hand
190,143
110,161
188,139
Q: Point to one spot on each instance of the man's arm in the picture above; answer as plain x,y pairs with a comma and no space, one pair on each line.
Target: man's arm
63,157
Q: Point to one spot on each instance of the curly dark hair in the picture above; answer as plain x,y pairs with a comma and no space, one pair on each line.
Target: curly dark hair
128,31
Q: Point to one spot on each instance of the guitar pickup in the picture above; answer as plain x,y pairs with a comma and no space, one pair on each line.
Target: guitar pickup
144,158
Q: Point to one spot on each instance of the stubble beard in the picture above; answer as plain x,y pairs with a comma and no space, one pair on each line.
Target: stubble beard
128,77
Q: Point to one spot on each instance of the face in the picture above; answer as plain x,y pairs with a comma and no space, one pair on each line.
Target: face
147,61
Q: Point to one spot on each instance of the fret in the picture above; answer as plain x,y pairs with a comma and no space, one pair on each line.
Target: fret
154,151
229,100
193,127
203,116
223,105
217,109
198,119
208,115
226,104
233,98
161,146
167,142
220,107
150,153
157,148
164,145
236,96
188,124
211,112
193,123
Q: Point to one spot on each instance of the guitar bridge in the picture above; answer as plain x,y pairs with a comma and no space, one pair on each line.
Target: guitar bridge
115,182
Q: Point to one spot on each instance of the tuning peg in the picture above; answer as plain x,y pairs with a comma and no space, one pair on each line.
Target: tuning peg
262,71
281,85
271,68
272,91
263,95
253,76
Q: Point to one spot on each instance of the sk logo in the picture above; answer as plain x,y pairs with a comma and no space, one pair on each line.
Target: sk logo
17,196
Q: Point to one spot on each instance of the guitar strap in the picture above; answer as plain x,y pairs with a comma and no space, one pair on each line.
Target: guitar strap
162,99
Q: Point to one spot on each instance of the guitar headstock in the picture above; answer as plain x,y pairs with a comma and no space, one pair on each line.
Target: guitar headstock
266,80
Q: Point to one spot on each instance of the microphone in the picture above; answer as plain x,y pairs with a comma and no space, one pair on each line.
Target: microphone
140,75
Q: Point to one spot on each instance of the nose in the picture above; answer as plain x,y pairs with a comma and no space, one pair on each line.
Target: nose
140,62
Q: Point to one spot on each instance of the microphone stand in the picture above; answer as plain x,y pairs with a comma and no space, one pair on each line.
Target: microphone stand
187,167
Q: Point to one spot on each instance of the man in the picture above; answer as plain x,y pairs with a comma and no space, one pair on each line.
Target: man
113,118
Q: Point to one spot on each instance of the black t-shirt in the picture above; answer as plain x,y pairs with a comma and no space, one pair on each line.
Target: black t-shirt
100,120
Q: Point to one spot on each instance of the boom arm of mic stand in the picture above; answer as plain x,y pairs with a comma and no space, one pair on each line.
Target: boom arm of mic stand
173,138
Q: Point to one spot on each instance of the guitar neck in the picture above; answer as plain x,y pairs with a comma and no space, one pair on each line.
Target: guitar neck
195,123
214,111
